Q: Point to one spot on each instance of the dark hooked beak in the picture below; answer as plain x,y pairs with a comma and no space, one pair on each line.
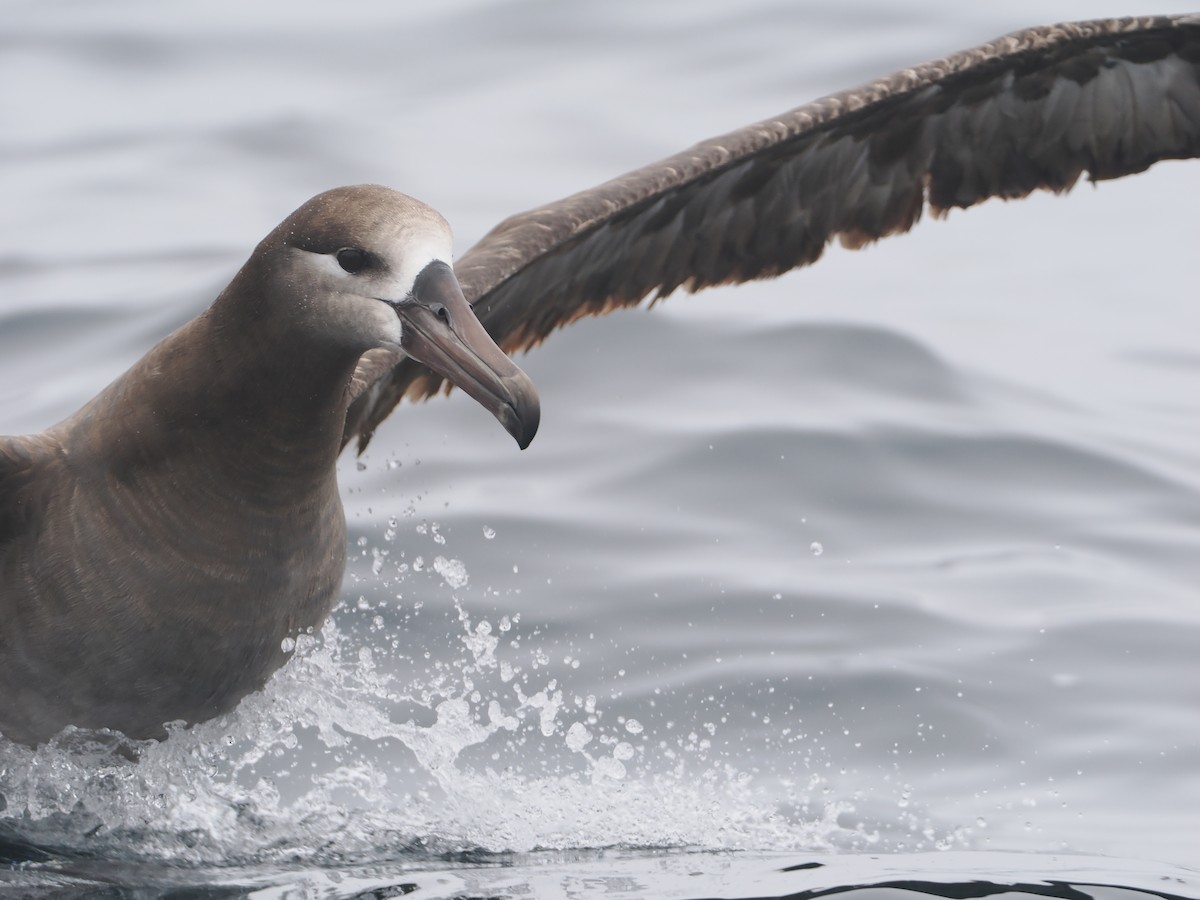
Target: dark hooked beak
440,330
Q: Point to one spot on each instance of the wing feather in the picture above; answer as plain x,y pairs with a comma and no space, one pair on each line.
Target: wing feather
1034,110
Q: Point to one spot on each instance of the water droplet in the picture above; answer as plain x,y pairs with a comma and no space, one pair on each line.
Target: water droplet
287,645
578,737
633,726
488,533
816,548
453,572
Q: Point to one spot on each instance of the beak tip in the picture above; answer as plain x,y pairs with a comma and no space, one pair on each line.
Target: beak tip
522,423
526,438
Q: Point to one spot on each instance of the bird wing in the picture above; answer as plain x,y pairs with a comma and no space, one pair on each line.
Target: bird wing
1033,110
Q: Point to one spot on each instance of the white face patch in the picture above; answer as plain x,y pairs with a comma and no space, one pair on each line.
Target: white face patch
404,255
416,252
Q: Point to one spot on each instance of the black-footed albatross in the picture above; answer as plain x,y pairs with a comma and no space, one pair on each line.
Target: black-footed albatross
159,546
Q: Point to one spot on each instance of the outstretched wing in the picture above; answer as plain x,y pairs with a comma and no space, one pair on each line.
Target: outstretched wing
1033,110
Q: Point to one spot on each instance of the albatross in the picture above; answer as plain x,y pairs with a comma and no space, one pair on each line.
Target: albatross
159,547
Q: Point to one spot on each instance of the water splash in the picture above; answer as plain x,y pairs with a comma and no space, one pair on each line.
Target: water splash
370,745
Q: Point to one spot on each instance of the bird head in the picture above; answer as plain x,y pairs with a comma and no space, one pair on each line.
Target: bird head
366,267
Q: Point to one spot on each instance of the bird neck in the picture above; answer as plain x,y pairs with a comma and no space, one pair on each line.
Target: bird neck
223,396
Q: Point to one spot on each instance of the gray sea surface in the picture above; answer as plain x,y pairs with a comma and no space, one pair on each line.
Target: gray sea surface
898,554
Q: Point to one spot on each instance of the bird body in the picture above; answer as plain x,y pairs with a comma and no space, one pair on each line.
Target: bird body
152,566
159,547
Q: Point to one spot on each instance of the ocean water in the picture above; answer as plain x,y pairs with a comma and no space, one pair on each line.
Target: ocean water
890,565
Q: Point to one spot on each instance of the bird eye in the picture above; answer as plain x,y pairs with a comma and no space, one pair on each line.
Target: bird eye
353,260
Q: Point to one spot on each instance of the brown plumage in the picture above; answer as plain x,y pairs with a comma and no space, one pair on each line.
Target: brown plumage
158,547
1034,110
